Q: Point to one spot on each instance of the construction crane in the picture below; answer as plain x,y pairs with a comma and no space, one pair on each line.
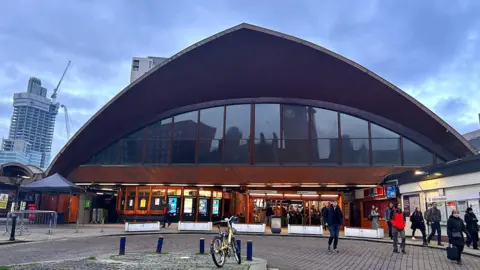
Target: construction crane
67,121
54,94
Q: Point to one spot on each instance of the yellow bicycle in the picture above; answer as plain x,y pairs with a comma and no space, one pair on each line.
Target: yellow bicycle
224,244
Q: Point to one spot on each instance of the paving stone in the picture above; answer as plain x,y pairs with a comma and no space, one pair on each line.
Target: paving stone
281,252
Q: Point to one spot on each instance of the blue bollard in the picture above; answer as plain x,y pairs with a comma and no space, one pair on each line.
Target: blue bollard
123,241
159,244
202,245
249,250
239,245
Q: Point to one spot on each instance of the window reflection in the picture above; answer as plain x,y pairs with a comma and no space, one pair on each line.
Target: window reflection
353,127
131,148
176,139
108,156
267,121
236,151
183,151
386,151
211,123
325,151
413,154
158,142
324,136
324,123
295,133
355,151
237,133
381,132
184,144
185,126
237,122
355,145
266,151
209,151
385,146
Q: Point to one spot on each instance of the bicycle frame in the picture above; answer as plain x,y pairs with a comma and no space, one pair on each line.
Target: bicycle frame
226,244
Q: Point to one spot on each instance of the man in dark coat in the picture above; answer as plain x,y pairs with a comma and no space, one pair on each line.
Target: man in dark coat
334,220
472,228
434,217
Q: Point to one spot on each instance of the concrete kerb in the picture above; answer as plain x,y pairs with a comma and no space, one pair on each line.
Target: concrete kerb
385,241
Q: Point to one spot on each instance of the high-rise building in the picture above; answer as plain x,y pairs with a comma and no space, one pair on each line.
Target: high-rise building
33,121
141,65
35,87
19,151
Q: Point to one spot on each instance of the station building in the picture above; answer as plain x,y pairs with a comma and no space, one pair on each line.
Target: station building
250,117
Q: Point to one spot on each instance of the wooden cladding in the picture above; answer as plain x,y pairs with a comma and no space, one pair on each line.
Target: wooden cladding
232,175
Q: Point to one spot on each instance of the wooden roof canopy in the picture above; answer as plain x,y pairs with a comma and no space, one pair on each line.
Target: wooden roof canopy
250,62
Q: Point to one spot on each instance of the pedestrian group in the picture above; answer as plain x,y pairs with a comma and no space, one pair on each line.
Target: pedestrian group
456,228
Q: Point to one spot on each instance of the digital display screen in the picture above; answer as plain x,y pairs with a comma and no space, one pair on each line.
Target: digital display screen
216,207
202,207
172,205
187,208
391,191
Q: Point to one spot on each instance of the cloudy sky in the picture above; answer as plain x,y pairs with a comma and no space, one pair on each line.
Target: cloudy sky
431,49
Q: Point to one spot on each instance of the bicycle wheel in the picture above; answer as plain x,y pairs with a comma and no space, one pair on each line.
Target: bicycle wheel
216,250
236,251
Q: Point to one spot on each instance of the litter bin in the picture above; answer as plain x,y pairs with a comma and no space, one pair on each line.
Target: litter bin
276,224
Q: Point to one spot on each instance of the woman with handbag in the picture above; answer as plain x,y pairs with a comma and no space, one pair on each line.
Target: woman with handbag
455,230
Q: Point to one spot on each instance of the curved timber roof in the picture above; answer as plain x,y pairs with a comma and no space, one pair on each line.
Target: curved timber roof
247,61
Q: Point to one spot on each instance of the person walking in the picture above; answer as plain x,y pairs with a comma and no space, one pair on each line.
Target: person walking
324,214
455,230
398,226
418,223
334,220
375,216
472,228
268,215
388,216
434,217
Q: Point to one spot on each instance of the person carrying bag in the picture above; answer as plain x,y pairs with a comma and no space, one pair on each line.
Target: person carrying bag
455,230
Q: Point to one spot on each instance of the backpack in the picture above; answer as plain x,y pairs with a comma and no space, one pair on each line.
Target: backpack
370,216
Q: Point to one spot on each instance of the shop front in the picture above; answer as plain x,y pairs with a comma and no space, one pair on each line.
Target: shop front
294,207
188,204
452,186
377,197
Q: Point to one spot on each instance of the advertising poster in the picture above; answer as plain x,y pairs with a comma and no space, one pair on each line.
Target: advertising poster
187,208
442,206
474,204
462,208
202,206
172,205
3,200
143,203
450,207
410,203
216,207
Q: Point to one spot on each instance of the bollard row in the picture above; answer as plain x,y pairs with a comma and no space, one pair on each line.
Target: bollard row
123,242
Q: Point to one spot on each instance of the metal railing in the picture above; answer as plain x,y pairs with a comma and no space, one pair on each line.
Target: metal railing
32,221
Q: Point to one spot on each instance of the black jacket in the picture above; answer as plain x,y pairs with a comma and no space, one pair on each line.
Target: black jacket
455,226
417,221
472,222
334,215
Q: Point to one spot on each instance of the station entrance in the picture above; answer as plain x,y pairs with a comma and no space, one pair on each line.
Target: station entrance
294,207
